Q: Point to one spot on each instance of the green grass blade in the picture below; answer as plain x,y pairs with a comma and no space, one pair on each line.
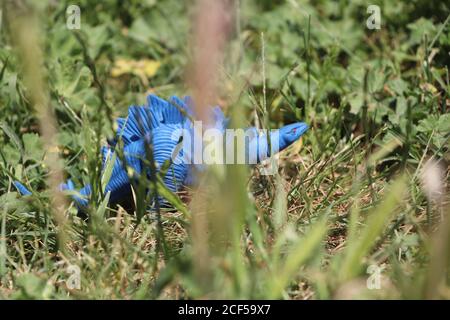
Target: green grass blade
376,223
298,255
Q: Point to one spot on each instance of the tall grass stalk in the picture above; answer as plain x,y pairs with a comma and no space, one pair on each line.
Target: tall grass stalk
211,28
25,34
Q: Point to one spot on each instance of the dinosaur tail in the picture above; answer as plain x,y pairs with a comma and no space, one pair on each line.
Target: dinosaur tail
80,198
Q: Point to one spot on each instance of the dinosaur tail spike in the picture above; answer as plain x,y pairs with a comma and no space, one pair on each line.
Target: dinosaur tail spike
21,188
85,192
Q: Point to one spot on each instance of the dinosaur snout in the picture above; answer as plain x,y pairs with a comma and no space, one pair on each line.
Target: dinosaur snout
292,132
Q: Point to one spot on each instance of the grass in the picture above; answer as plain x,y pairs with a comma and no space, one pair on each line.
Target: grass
358,193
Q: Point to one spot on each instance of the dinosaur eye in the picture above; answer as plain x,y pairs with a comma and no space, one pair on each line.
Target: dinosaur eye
293,131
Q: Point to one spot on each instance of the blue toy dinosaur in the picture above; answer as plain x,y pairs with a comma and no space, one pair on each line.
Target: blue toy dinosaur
164,125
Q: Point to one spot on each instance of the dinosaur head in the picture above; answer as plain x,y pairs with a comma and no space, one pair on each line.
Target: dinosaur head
291,133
